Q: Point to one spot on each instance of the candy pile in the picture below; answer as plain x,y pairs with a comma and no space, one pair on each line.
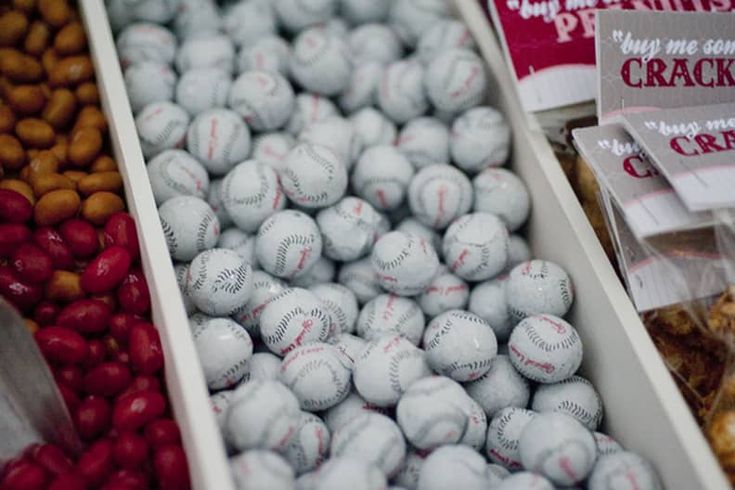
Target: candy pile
69,261
331,191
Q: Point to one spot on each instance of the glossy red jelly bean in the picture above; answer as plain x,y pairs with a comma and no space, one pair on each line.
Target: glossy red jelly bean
22,295
52,458
12,235
70,397
171,469
120,325
69,481
96,463
162,431
51,242
128,479
70,376
143,382
24,475
134,410
81,237
120,230
92,417
62,345
14,207
31,263
144,347
85,316
46,312
107,379
133,294
106,271
130,450
97,353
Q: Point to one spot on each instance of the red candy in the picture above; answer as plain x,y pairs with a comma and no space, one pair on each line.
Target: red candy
133,293
62,345
146,353
95,465
51,458
85,316
70,397
143,383
80,236
130,450
21,294
31,263
14,207
107,379
92,417
171,469
68,481
71,376
126,480
121,324
45,313
24,475
134,410
120,230
12,235
97,353
162,431
51,242
106,271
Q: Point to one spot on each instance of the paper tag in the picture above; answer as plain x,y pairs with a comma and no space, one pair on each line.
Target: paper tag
653,60
648,201
694,148
550,43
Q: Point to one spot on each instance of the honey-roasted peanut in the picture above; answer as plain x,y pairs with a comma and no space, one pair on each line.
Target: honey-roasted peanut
44,162
100,205
103,163
19,67
37,39
84,146
60,108
35,133
64,286
71,71
56,206
59,148
49,60
75,175
26,100
87,93
7,119
20,187
55,12
26,6
91,116
43,184
100,181
71,39
12,156
13,26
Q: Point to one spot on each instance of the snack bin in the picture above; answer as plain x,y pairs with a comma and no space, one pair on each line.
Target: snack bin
644,409
184,379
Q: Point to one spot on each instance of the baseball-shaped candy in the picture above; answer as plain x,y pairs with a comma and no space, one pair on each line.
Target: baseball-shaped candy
488,301
197,320
263,99
364,11
453,466
411,18
219,139
144,41
288,244
455,80
296,15
158,11
262,415
538,286
439,194
339,473
181,270
518,251
350,346
349,229
251,193
308,447
574,396
264,366
405,264
246,22
320,61
416,227
496,474
219,403
476,432
240,242
558,447
475,246
372,438
214,51
348,409
272,148
502,193
261,469
500,387
189,226
322,271
545,348
373,128
623,471
445,292
375,42
401,93
341,306
161,126
202,89
431,414
362,90
295,317
424,141
147,82
214,199
408,477
460,345
335,133
224,349
219,281
605,444
360,277
480,139
308,109
503,435
176,173
446,34
382,176
269,53
525,480
389,314
196,18
313,176
386,368
316,374
265,288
